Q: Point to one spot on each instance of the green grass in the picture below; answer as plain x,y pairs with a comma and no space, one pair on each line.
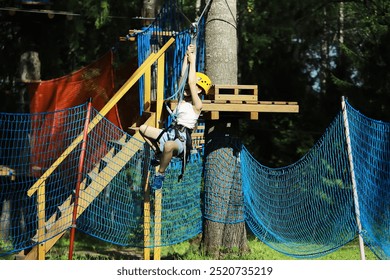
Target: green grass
260,251
89,248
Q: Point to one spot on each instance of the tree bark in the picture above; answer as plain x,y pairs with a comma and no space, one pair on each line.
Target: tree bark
30,67
221,66
224,229
150,10
221,42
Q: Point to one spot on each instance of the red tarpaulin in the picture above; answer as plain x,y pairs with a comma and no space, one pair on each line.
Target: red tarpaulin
94,81
48,136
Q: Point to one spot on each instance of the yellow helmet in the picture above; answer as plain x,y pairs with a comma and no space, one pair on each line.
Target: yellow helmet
203,81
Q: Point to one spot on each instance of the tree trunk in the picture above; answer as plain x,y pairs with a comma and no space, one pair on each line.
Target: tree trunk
324,56
30,67
198,5
224,229
150,10
221,42
221,66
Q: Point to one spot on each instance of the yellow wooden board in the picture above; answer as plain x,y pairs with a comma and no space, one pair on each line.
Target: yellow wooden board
236,93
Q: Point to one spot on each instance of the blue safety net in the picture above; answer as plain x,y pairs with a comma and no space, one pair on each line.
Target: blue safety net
170,22
305,209
117,214
29,146
115,167
370,143
224,201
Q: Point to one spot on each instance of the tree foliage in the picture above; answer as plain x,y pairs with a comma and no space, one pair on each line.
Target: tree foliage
312,52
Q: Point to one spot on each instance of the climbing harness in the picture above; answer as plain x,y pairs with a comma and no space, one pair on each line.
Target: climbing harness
187,143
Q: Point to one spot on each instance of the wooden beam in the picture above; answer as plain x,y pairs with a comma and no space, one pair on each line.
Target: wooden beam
41,198
147,212
155,33
213,108
157,224
160,90
7,172
281,107
33,254
254,115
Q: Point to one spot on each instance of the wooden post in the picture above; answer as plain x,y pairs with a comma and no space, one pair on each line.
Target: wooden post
355,194
147,219
160,89
147,90
158,193
41,221
157,224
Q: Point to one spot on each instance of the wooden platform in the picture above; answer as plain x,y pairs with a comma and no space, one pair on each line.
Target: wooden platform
242,99
133,32
7,172
215,107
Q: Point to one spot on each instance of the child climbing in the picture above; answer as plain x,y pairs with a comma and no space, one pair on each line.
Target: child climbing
175,141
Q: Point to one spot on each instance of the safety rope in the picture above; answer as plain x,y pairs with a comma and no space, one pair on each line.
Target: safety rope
194,35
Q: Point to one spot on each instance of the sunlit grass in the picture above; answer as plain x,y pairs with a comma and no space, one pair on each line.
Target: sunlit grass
90,248
260,251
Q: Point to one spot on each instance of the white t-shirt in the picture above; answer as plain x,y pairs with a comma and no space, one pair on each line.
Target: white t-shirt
185,115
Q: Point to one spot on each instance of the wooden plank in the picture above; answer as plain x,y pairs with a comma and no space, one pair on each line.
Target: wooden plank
278,102
158,33
108,173
212,108
254,115
197,134
198,137
41,222
7,172
147,218
261,106
147,89
214,115
270,108
157,224
33,254
233,97
235,92
125,39
224,86
160,90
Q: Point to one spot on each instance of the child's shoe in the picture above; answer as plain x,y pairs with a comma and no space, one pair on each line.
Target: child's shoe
158,181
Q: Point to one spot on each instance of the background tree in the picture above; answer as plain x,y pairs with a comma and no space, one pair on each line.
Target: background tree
222,67
63,44
150,10
293,51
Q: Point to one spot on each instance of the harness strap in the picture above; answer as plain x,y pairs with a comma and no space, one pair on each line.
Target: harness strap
187,145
